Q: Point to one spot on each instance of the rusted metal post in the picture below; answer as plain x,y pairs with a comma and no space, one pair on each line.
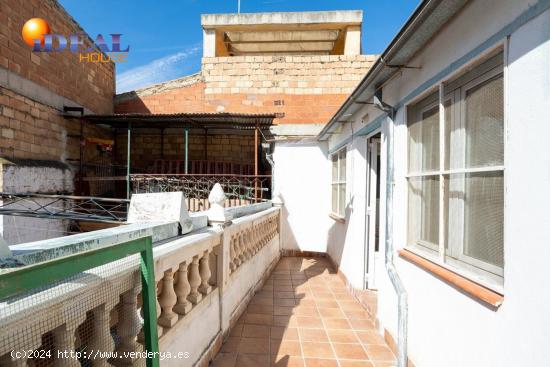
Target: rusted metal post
186,167
128,160
256,143
162,143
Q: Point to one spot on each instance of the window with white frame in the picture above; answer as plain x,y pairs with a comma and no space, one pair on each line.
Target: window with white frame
456,171
339,182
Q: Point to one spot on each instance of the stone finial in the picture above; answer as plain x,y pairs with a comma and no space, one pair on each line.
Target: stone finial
276,200
216,213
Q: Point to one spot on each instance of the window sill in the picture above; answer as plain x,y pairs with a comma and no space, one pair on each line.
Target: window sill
467,286
337,218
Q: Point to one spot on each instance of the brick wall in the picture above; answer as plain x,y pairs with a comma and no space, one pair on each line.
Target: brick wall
89,84
306,89
35,86
32,130
146,148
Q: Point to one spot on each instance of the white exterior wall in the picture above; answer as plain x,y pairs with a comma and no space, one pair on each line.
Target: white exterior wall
302,181
447,327
33,179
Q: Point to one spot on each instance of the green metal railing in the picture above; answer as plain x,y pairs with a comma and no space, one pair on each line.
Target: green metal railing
30,277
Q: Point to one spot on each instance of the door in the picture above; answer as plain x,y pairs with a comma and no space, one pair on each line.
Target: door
372,210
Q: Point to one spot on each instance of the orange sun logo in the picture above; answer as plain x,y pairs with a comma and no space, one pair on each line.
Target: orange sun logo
35,29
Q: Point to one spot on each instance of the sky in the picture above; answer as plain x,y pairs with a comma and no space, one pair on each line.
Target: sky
165,36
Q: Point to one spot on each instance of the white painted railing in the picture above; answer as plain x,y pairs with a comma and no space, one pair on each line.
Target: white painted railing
200,286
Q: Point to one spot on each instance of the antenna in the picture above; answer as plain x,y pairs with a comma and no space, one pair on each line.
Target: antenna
239,6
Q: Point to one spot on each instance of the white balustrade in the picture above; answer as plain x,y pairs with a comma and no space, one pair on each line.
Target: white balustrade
188,270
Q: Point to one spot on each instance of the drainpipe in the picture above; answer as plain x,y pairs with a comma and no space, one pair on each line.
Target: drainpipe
402,309
269,158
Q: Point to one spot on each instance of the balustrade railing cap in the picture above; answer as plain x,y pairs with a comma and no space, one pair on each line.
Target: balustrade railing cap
161,206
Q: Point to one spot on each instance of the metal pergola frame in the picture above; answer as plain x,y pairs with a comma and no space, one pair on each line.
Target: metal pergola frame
186,121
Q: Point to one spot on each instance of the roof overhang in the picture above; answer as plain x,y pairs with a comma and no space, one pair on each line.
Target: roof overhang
428,18
182,120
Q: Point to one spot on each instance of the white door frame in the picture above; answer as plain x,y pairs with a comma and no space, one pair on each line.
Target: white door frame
373,146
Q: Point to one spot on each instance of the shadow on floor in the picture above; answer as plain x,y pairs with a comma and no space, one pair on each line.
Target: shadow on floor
304,317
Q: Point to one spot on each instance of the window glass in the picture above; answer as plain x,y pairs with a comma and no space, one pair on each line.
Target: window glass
484,122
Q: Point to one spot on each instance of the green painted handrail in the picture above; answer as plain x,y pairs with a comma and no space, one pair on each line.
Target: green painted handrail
30,277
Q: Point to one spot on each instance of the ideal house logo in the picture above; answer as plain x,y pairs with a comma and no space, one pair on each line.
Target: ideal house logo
37,34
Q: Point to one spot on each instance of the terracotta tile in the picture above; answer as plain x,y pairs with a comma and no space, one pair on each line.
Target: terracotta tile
285,347
370,337
331,313
279,282
317,350
287,361
306,311
384,364
283,288
258,319
261,300
256,331
355,364
267,288
342,336
265,294
309,322
319,288
284,302
283,311
225,360
336,324
252,360
237,330
325,303
280,332
349,351
313,335
315,362
357,314
231,344
324,295
287,321
254,346
350,306
379,353
264,309
361,324
283,295
285,275
306,302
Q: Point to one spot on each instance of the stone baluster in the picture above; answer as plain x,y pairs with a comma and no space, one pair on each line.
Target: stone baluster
128,327
182,288
232,260
205,273
64,341
167,301
259,236
102,340
248,244
237,259
249,239
194,281
160,330
242,252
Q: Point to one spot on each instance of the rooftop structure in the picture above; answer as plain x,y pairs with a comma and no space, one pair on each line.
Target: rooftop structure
303,33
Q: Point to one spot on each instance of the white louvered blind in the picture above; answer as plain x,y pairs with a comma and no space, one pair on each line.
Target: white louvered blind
464,174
